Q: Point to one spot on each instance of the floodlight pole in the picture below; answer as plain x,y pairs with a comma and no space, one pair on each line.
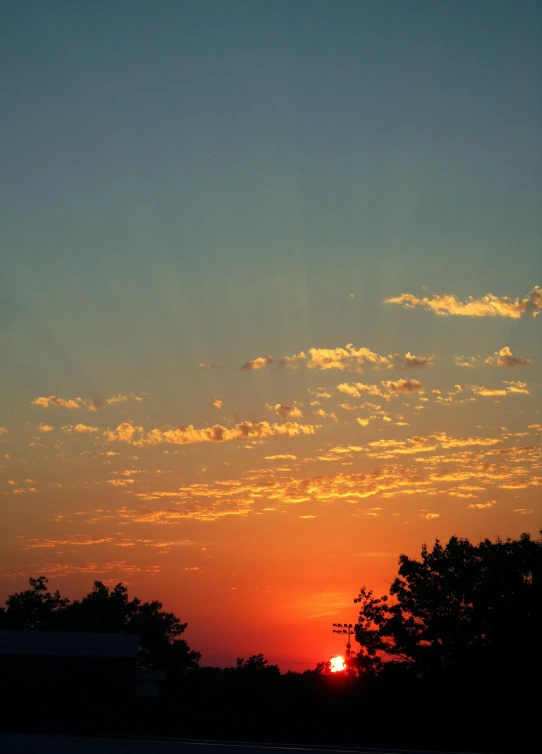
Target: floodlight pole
348,629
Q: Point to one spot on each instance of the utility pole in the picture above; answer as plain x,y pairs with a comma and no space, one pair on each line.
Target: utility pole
348,629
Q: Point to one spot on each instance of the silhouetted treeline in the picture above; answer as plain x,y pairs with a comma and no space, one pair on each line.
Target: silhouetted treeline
450,659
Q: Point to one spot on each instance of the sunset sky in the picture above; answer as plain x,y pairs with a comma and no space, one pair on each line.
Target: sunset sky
269,303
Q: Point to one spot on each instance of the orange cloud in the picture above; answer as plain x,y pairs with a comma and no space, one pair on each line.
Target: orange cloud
45,428
509,389
260,363
80,429
123,398
190,435
481,506
218,403
53,400
505,358
390,387
487,306
285,411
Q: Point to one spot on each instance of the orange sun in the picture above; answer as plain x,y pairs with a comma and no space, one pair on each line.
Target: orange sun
337,664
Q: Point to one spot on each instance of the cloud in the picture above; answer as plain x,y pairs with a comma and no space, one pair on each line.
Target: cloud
466,361
90,404
209,366
123,398
218,403
409,361
120,482
504,358
347,358
390,387
45,428
429,516
260,363
125,432
3,431
33,543
280,457
510,388
523,511
285,411
291,362
403,386
53,400
487,306
481,506
80,429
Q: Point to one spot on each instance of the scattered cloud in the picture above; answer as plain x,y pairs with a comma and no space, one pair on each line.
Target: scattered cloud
80,429
523,511
280,457
505,358
285,411
45,428
510,388
260,363
89,404
487,306
3,431
481,506
389,388
209,366
127,432
218,403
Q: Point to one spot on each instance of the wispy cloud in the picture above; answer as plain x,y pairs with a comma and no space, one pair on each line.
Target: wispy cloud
486,306
218,403
80,429
88,404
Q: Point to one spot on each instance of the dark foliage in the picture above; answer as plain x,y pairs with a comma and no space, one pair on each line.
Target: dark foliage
104,610
450,659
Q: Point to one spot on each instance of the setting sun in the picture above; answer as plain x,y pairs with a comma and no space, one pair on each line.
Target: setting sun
336,664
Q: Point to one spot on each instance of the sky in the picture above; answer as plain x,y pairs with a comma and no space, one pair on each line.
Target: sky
269,303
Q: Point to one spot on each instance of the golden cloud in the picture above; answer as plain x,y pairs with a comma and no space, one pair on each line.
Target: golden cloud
510,388
487,306
218,403
45,428
123,398
390,387
125,432
3,431
260,363
505,358
285,411
80,429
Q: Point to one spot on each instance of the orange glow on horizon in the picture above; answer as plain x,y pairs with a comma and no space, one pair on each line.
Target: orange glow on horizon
337,664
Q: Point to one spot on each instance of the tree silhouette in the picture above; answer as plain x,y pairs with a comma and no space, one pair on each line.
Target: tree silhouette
104,610
460,604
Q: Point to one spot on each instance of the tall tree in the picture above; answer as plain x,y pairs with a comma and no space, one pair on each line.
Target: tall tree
458,605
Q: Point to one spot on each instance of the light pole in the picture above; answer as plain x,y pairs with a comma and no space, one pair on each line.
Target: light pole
348,629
